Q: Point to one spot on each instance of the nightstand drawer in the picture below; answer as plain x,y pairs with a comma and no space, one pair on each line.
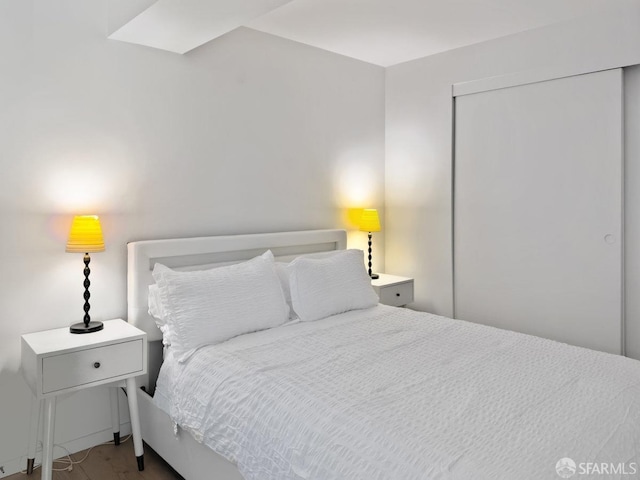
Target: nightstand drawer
396,295
84,367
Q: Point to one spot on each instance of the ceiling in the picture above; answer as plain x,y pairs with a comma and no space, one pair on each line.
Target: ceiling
382,32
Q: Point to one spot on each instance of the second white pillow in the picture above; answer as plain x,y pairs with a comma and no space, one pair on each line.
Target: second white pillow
328,286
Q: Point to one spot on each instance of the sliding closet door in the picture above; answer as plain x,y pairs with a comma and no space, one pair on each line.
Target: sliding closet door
538,209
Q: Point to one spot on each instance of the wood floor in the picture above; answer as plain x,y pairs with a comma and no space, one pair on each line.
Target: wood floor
106,462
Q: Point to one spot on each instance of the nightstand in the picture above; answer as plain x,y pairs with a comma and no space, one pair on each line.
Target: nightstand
57,362
393,290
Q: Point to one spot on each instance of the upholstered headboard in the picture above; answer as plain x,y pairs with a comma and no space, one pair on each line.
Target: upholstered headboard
194,253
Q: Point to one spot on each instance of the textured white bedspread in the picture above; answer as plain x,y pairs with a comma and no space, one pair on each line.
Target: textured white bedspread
390,393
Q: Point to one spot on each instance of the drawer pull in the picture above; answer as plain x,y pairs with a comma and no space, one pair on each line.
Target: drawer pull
397,294
96,365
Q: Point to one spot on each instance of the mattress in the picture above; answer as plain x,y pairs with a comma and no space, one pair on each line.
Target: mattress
389,393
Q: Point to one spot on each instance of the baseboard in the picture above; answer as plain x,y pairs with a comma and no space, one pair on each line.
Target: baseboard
9,467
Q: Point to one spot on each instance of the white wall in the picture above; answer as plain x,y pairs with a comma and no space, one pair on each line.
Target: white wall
250,133
419,129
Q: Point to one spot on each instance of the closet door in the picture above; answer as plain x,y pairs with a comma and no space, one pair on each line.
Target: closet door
538,178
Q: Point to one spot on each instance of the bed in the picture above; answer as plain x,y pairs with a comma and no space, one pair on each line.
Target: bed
376,392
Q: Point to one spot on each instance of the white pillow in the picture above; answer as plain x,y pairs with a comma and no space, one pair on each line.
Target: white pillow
157,312
283,275
205,307
328,286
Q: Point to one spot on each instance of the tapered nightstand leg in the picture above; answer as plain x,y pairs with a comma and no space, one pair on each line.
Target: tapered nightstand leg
47,449
132,400
115,414
34,422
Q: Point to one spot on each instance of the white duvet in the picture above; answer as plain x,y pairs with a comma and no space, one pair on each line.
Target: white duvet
390,393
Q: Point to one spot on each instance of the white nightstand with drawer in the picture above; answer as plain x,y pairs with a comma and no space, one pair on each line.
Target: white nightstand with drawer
393,290
56,362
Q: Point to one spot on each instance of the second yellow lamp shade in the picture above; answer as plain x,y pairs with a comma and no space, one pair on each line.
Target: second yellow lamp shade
369,221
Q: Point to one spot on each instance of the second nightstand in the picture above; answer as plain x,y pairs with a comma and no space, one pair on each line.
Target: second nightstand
393,290
55,362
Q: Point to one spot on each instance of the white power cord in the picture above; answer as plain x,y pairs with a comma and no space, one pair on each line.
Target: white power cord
67,460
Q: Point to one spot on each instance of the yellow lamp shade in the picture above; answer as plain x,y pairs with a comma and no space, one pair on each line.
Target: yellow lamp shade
85,235
369,221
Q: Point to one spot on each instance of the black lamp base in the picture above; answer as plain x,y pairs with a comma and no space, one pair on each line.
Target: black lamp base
372,275
82,328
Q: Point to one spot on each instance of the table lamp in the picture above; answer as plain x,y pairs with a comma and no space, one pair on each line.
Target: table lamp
86,237
369,222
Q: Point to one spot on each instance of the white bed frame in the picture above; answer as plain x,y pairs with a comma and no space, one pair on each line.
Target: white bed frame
189,458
